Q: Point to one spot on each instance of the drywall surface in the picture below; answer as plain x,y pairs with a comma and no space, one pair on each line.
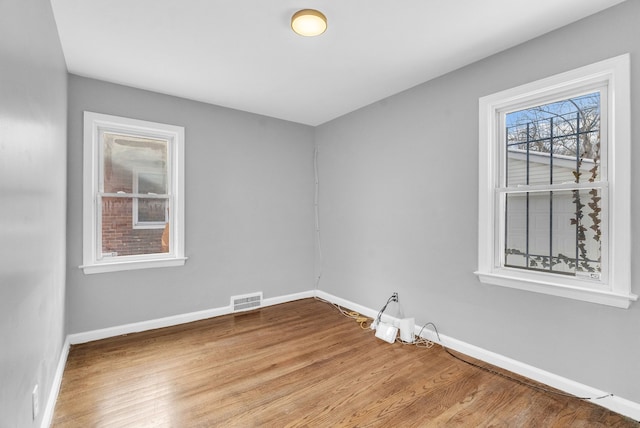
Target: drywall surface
248,205
399,212
33,111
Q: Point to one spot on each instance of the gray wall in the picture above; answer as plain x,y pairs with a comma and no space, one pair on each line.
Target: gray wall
399,212
248,203
33,110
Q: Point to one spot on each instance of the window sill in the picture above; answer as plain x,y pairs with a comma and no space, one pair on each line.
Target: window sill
132,265
602,297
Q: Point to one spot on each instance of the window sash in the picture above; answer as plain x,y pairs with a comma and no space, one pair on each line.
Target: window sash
502,190
501,137
500,245
134,196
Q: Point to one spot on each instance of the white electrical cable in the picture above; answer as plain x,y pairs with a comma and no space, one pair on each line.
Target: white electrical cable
317,215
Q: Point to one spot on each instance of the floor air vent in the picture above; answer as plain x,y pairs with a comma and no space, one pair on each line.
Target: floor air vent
246,302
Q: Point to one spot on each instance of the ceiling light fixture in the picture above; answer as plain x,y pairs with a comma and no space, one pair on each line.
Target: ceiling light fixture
308,22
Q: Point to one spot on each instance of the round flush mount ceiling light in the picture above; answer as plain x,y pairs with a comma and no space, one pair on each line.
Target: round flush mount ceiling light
308,22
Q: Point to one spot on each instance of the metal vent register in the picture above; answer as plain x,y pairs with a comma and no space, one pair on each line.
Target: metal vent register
246,302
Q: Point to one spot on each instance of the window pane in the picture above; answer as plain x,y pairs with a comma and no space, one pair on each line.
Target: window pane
554,143
152,182
124,156
539,207
516,230
151,210
554,231
119,238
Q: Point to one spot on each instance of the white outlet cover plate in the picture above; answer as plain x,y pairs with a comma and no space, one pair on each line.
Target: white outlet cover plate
35,402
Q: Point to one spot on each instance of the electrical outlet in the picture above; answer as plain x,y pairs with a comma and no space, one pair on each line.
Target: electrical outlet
35,402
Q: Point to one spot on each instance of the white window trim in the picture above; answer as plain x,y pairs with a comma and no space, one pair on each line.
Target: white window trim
93,124
616,289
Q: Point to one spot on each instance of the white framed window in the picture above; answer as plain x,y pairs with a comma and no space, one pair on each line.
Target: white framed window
554,185
133,203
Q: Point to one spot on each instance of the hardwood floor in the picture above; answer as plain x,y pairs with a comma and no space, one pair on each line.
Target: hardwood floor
297,364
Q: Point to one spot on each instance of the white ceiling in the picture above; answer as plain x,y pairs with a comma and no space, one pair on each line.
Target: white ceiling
242,54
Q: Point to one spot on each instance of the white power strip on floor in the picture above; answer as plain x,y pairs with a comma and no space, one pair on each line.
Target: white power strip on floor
386,332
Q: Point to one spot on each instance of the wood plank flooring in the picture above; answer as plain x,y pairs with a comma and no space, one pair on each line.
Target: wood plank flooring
297,364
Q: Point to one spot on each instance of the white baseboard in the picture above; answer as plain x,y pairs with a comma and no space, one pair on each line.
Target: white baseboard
136,327
371,313
611,402
47,415
614,403
104,333
287,298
